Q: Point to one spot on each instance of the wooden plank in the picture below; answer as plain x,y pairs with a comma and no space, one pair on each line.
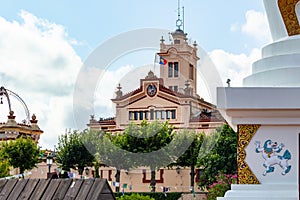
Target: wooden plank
29,188
51,189
85,189
62,189
73,189
107,192
2,183
40,189
106,197
5,192
96,189
15,193
107,189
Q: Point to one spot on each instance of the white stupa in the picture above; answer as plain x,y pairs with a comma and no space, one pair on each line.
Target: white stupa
280,63
266,113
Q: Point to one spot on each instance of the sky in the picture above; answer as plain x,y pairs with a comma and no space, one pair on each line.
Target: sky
44,46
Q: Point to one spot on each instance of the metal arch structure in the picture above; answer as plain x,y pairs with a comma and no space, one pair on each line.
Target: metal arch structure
6,92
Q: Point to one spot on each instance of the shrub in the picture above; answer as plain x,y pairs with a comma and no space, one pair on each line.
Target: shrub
135,197
222,184
152,195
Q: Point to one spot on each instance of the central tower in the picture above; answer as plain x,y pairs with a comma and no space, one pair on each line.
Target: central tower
180,71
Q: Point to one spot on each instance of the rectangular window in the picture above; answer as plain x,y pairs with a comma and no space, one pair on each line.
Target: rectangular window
176,69
175,88
141,115
158,114
151,114
168,114
136,115
130,115
171,87
191,72
163,114
146,115
173,114
170,69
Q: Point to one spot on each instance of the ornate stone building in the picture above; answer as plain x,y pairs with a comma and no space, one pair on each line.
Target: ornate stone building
173,96
11,130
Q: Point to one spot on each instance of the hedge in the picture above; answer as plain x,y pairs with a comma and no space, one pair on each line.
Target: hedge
155,195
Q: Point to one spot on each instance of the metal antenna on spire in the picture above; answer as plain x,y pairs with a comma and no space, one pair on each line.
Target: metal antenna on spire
178,10
179,21
183,18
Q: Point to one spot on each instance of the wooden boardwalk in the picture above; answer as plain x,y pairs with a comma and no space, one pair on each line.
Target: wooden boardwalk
55,189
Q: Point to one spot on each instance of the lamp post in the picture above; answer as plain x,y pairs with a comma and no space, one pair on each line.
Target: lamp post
199,174
49,162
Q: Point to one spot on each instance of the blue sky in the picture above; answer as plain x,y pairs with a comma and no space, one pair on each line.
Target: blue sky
92,22
43,45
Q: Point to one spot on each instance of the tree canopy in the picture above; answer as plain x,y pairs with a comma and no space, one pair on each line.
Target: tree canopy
154,144
147,144
222,158
72,153
22,153
190,157
4,167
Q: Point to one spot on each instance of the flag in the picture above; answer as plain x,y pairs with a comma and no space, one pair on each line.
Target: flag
124,185
162,61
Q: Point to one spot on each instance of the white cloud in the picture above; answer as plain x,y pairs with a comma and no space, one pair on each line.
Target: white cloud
257,25
234,67
129,78
106,91
39,63
238,66
58,115
234,27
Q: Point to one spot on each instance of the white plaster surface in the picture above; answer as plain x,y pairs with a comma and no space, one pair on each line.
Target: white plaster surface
277,110
279,65
276,24
262,192
270,97
280,134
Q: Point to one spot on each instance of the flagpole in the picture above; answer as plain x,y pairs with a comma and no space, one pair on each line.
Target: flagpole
155,55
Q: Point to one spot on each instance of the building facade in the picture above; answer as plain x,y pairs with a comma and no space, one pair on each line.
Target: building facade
171,97
11,130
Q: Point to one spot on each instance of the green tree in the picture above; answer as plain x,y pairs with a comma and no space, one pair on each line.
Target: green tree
4,168
222,158
115,156
143,140
22,153
190,156
102,146
135,197
92,140
4,165
72,153
147,144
